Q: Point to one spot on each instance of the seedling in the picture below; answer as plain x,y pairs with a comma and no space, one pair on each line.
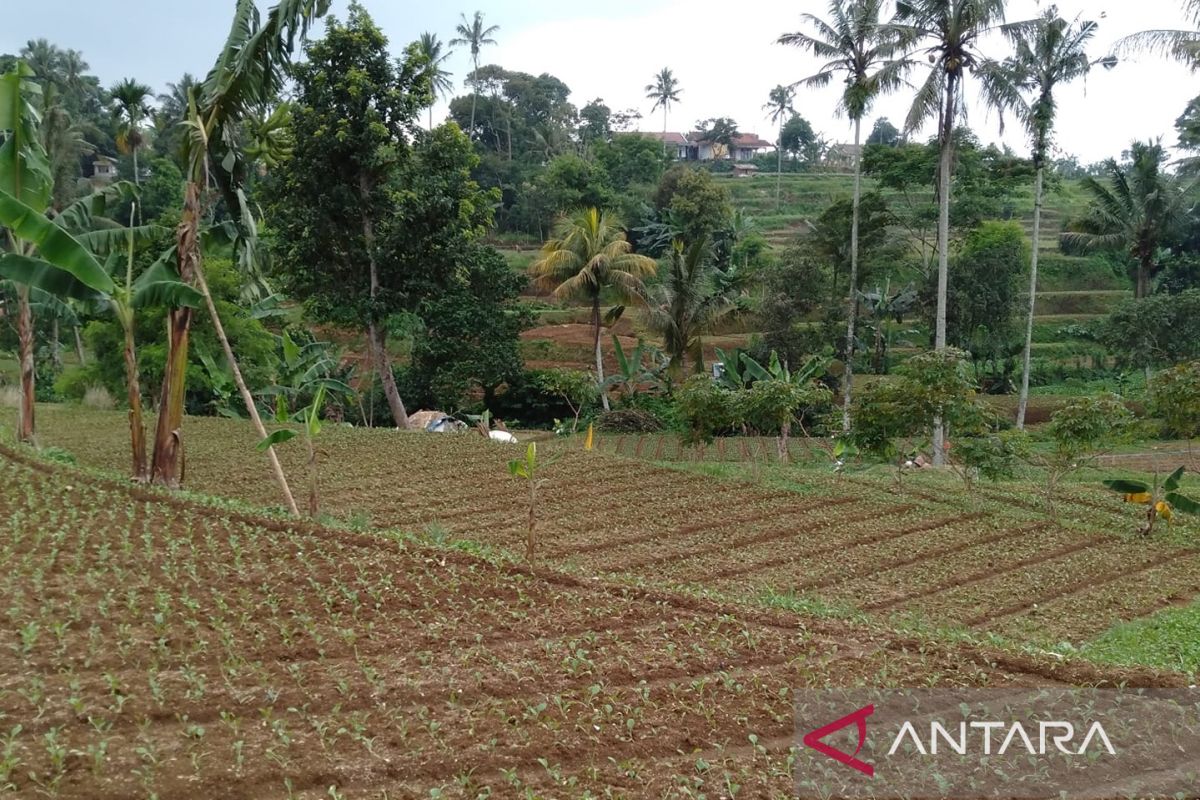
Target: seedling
527,468
1161,500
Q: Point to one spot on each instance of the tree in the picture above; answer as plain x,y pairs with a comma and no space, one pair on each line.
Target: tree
663,91
779,108
884,133
691,299
587,256
595,123
697,205
798,138
472,34
439,78
1155,331
336,201
1181,45
247,76
629,159
831,239
130,100
1138,211
719,132
858,47
36,245
1048,54
949,32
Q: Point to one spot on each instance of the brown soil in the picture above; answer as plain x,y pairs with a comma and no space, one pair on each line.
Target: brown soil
167,647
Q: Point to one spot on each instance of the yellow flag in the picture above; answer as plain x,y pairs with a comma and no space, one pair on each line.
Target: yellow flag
1141,498
1164,510
587,445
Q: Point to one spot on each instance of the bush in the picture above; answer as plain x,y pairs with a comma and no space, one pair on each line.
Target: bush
1175,397
706,408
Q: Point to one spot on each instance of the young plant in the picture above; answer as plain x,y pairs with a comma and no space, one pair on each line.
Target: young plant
1161,500
1081,432
309,419
527,469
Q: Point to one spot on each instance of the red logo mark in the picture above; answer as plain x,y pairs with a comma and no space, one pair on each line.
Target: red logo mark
813,740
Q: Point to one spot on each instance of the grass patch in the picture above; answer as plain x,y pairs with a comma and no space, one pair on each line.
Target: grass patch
1168,640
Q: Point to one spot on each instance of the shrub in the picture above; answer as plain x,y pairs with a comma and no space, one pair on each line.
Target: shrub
706,408
1175,397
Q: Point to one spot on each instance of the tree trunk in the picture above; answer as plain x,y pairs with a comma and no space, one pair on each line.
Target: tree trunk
55,353
474,97
1023,402
852,307
599,354
168,436
779,168
137,428
137,179
1145,265
314,483
375,333
25,413
946,164
247,398
79,351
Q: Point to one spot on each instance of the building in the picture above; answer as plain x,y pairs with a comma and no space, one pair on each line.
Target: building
842,156
693,146
104,169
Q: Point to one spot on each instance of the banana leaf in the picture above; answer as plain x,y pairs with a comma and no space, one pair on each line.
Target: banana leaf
1183,503
46,277
54,245
160,286
1127,487
1172,481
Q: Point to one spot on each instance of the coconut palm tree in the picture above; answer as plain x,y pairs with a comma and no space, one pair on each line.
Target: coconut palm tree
248,76
692,298
663,91
130,99
173,104
1047,55
472,34
859,49
1182,44
587,255
779,110
1138,210
44,58
431,47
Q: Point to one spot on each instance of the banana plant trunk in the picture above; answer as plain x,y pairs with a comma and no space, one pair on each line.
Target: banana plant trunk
1023,402
166,464
137,428
599,353
247,398
852,305
946,164
25,419
79,352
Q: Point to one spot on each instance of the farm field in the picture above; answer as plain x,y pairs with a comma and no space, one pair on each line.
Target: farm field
925,555
160,647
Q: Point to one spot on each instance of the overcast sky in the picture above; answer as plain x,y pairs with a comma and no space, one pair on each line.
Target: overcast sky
723,54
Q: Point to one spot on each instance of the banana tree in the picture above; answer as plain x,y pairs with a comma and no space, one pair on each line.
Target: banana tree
35,243
632,372
1161,500
248,74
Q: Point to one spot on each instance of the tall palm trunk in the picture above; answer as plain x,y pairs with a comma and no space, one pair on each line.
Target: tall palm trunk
779,167
247,398
376,335
474,97
946,164
137,180
137,428
599,354
168,436
1145,267
25,412
852,305
1023,402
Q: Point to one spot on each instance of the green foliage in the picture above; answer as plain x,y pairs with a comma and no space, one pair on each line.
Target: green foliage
706,408
1159,330
770,406
468,339
254,345
631,160
1087,425
539,398
698,205
1175,398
